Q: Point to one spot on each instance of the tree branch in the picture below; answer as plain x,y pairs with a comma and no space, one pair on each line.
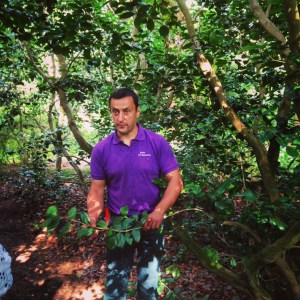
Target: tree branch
217,269
289,275
270,253
268,25
68,111
293,19
245,228
32,62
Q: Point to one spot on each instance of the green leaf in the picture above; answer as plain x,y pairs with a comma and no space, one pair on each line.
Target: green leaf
150,24
281,225
135,217
267,135
84,218
160,288
143,107
144,217
274,2
124,211
65,229
249,196
136,234
164,31
83,232
193,187
110,232
175,273
128,238
126,223
127,15
275,222
111,242
102,224
120,238
212,254
117,223
292,151
52,211
233,262
72,213
296,141
51,223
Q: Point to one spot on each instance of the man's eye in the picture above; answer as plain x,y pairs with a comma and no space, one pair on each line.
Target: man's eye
126,111
115,112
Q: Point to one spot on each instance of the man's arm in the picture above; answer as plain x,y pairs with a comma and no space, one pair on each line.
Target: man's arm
95,200
175,186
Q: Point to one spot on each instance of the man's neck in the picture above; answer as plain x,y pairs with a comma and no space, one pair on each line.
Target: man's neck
127,138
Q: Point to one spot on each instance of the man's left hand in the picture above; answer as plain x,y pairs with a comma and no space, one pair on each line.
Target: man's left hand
154,220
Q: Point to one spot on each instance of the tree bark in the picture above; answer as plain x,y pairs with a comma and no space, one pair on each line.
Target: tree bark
293,67
293,19
263,19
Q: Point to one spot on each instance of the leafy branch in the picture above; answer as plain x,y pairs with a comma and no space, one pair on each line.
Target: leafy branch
123,229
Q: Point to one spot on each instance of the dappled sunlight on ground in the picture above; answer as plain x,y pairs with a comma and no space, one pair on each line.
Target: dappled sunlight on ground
71,290
50,263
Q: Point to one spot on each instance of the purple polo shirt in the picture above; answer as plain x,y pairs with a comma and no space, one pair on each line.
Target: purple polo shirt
129,170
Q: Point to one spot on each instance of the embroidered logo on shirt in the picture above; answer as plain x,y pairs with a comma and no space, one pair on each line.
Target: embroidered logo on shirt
143,153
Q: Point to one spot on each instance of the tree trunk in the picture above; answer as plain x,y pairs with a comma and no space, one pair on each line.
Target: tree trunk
84,145
59,145
258,148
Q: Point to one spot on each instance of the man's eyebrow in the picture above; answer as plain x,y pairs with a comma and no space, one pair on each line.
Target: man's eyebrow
125,108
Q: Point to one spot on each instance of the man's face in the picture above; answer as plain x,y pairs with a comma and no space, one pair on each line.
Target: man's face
124,115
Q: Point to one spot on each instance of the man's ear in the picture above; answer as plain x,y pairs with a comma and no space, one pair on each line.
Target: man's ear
138,112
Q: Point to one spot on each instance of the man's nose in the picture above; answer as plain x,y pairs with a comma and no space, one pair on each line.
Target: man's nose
121,116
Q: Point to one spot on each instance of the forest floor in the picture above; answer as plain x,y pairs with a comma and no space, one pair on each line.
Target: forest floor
45,267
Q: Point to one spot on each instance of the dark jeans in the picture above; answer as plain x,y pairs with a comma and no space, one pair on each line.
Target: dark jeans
120,261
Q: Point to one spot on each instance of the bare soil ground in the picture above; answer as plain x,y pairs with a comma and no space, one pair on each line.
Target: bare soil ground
45,267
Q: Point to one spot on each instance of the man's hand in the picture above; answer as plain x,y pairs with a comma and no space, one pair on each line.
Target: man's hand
154,220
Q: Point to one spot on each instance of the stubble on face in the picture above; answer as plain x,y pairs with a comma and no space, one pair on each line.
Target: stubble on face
124,115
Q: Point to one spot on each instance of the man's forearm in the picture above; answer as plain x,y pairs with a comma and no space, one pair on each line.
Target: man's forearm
95,201
94,211
171,193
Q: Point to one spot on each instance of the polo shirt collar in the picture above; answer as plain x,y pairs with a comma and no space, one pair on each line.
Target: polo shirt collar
140,135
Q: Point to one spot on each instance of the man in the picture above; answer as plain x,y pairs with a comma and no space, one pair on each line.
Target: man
126,162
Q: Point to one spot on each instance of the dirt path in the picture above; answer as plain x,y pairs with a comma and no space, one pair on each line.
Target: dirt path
47,268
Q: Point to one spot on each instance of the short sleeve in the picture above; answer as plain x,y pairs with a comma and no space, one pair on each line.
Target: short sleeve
97,164
168,161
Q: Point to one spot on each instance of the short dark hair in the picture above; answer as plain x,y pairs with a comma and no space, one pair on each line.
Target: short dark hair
124,92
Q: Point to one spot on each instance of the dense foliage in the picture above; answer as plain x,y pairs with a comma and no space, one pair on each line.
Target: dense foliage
223,87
